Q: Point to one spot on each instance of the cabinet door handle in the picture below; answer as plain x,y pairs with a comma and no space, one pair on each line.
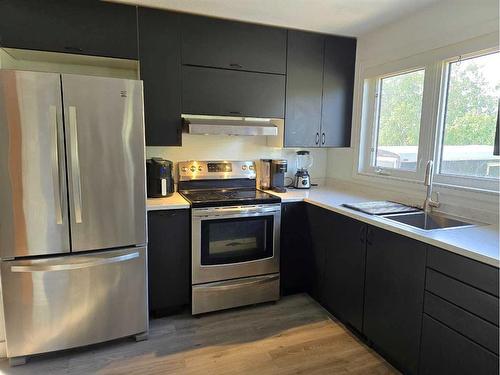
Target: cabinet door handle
73,49
234,65
317,138
235,112
323,138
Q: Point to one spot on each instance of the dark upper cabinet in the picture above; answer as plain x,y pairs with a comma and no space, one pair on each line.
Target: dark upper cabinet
89,27
169,250
338,87
304,86
344,283
294,248
160,64
394,293
227,44
320,84
207,91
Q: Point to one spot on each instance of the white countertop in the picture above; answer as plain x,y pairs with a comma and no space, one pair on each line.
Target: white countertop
174,202
479,242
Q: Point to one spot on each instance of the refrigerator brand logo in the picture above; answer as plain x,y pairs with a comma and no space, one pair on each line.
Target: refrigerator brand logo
123,94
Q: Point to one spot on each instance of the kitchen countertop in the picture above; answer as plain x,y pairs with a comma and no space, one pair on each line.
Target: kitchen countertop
174,202
479,242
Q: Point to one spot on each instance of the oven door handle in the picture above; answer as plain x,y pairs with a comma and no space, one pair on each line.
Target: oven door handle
235,211
226,285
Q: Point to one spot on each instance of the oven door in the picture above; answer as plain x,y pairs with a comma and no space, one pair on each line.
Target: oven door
234,242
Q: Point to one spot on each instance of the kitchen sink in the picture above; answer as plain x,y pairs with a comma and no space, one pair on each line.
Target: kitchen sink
428,221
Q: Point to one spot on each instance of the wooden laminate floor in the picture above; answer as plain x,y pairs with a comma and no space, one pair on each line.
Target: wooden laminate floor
293,336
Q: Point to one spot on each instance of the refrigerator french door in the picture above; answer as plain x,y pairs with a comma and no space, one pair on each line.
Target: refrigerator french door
73,181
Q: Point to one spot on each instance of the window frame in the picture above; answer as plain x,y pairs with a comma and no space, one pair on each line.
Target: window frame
373,95
473,182
431,125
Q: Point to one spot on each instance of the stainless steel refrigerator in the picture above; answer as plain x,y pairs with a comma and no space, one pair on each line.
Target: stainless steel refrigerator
72,210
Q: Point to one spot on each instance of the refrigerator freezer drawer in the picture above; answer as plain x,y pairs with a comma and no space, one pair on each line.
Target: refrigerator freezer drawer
64,302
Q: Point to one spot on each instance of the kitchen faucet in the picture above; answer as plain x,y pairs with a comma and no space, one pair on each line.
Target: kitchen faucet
429,203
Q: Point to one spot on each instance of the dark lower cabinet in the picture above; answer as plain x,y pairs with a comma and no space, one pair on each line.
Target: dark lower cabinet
344,280
207,91
169,250
88,27
295,247
160,64
394,295
321,224
445,351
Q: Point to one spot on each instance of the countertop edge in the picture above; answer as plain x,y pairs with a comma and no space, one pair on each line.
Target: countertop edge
402,231
174,202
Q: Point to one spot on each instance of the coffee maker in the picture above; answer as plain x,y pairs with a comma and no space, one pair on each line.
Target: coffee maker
278,170
304,162
160,182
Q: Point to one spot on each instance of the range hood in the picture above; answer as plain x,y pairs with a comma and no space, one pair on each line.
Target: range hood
221,125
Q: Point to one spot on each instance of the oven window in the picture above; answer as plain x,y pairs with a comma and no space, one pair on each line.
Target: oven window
236,240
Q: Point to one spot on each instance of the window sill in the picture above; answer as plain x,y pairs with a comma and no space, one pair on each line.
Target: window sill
394,182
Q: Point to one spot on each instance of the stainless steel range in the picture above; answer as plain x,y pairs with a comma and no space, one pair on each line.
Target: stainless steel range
235,235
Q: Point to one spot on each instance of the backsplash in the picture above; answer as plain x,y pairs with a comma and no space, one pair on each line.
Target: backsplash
211,147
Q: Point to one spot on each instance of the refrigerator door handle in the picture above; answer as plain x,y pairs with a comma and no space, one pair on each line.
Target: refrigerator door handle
75,165
74,266
56,174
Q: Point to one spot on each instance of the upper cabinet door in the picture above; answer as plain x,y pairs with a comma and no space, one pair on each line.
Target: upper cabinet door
338,86
105,150
222,92
160,63
304,84
73,26
233,45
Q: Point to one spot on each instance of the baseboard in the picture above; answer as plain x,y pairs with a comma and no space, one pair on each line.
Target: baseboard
3,349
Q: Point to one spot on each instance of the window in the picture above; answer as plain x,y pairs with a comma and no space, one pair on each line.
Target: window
436,106
399,112
471,93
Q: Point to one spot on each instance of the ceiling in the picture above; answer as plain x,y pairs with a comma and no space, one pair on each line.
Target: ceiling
343,17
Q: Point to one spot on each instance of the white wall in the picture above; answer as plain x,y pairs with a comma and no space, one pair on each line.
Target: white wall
438,25
211,147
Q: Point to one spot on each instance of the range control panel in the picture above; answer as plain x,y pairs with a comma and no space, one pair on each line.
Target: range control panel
213,170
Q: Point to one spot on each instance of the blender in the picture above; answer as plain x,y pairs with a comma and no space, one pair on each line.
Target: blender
304,162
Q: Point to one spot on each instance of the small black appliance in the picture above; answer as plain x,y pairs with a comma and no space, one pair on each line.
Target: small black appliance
278,170
160,181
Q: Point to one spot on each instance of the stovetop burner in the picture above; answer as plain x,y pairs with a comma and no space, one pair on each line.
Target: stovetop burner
221,183
228,197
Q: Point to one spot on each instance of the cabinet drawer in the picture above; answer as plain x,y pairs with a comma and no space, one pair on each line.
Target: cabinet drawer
233,45
469,325
444,351
471,299
207,91
477,274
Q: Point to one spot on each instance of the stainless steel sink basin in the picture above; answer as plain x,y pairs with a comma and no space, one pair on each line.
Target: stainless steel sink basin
428,221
